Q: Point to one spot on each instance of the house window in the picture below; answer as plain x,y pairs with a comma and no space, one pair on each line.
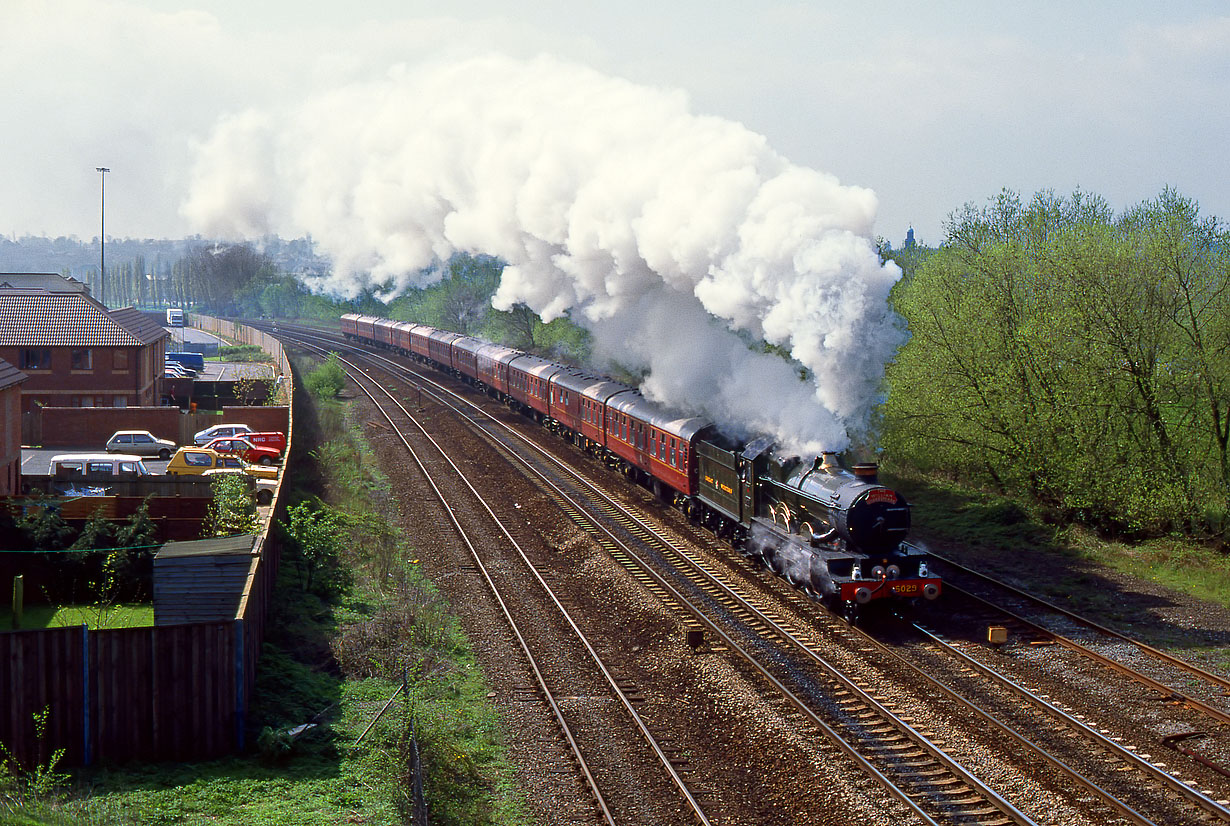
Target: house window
120,360
119,401
35,358
82,359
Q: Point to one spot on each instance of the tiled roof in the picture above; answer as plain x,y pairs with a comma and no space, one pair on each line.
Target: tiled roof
40,319
10,375
139,324
49,281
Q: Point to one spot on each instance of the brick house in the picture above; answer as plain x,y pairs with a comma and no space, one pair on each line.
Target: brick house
74,352
10,428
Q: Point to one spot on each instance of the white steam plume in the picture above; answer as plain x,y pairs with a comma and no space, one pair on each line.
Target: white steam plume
671,236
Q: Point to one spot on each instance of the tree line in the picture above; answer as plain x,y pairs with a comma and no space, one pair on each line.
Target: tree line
1075,357
1059,352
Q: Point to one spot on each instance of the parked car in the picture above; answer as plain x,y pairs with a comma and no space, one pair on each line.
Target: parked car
179,366
220,431
140,442
269,438
174,371
195,461
244,449
95,465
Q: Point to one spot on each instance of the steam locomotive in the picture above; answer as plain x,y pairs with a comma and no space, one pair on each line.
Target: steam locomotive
836,533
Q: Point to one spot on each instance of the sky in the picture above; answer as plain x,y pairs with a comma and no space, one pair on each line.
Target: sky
930,106
711,174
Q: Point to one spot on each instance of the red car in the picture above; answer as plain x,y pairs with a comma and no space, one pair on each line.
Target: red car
255,454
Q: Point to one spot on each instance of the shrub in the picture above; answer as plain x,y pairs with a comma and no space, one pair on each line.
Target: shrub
328,379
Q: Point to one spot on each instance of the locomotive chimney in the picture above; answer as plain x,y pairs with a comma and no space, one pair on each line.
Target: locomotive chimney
828,461
867,472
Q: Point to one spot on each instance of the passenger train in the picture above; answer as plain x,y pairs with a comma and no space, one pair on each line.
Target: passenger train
836,533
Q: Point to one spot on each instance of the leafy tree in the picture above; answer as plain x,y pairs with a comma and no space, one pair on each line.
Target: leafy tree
1072,356
232,509
318,535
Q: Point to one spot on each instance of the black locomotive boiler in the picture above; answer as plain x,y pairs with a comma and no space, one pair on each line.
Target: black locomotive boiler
835,533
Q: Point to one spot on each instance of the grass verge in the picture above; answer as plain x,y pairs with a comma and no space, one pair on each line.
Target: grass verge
982,520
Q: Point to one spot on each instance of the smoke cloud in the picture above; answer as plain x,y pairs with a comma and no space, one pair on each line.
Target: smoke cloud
674,237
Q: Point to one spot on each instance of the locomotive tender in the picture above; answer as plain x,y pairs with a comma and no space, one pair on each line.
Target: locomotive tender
837,534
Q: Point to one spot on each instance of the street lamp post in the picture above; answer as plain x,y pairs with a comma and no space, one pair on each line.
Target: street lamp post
102,238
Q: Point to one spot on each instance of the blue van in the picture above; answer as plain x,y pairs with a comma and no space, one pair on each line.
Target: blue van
194,361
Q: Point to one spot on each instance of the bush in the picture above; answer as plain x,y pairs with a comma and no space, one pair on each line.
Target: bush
328,379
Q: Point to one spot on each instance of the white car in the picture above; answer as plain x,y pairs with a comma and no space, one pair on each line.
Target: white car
176,369
220,431
141,443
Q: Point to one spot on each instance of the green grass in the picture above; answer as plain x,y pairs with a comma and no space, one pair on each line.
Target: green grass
58,616
949,512
1183,565
324,778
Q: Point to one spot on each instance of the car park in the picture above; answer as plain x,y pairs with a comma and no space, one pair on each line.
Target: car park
195,461
244,449
141,443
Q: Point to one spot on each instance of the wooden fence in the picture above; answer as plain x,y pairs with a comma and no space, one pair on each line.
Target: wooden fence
162,692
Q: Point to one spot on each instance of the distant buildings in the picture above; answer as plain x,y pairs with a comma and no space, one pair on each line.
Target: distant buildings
72,350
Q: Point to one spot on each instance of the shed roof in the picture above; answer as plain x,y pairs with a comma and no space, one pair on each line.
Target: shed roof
217,546
10,375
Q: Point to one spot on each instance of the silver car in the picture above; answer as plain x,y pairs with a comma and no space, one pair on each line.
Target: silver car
141,443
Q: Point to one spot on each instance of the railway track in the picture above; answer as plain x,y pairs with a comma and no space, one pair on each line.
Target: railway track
1171,676
399,417
905,760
